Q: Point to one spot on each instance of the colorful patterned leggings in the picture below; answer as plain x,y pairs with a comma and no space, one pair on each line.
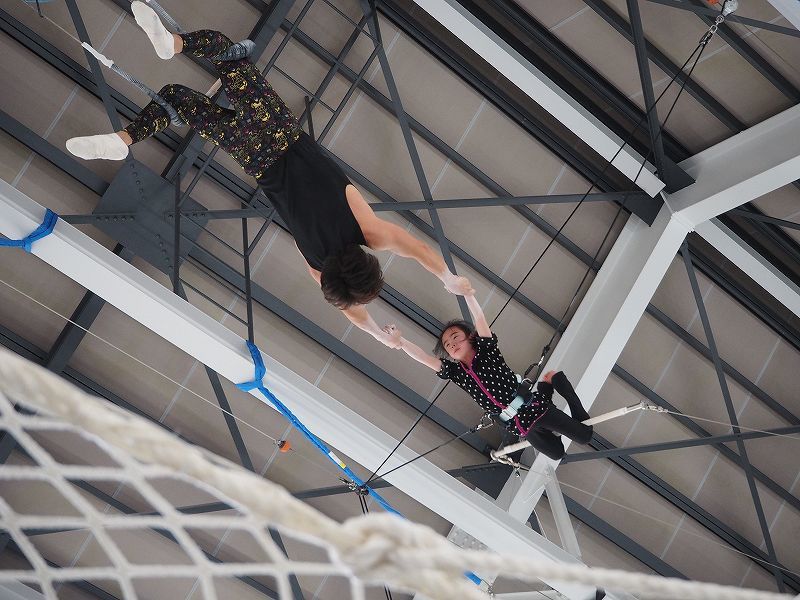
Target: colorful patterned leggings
255,131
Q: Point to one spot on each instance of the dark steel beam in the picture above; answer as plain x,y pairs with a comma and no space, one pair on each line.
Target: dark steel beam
711,104
754,216
227,411
692,426
526,120
85,586
733,18
81,320
569,62
370,12
473,263
628,198
767,400
645,209
7,445
687,443
297,592
784,326
651,110
695,512
50,153
622,541
97,72
747,52
521,20
331,74
127,510
726,396
235,190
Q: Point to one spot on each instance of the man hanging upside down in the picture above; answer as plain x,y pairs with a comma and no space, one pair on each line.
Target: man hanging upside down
326,214
470,357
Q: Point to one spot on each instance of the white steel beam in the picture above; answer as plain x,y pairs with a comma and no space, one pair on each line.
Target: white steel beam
743,167
601,327
789,9
541,89
733,172
569,541
196,333
755,266
18,591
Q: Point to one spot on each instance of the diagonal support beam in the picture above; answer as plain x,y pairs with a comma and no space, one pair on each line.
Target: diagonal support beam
726,396
663,62
734,18
747,52
754,216
766,157
639,259
758,268
789,9
369,10
628,198
541,89
81,320
675,179
688,443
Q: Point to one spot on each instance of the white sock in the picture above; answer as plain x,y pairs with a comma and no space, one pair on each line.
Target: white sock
148,20
108,145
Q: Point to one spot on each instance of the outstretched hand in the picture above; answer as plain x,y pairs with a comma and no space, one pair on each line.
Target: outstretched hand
456,284
548,377
393,337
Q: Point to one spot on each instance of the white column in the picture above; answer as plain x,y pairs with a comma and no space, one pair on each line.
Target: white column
196,333
755,266
542,89
558,507
733,172
743,167
789,9
602,325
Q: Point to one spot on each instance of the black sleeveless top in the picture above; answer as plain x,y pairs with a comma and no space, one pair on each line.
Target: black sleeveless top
307,188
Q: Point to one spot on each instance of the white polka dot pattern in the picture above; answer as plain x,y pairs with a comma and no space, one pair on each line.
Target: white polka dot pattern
491,370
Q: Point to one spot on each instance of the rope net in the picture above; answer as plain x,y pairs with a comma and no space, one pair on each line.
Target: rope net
121,449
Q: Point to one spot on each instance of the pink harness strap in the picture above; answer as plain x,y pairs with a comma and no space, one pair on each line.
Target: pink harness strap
477,379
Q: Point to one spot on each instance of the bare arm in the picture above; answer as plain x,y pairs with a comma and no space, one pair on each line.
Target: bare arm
414,351
481,325
383,235
360,317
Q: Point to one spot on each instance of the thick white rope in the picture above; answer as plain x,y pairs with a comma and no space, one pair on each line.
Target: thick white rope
376,548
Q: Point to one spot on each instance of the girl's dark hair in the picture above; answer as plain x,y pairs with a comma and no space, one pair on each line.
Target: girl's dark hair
464,326
351,277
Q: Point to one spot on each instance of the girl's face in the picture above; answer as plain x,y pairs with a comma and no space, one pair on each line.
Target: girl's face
457,344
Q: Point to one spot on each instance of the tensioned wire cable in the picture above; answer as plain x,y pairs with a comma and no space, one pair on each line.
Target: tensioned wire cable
700,47
363,503
672,525
164,375
315,463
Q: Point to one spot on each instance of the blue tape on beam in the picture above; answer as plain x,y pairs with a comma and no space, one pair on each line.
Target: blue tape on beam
258,384
43,230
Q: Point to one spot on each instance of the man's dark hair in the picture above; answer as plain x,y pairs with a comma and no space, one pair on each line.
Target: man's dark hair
351,277
464,326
